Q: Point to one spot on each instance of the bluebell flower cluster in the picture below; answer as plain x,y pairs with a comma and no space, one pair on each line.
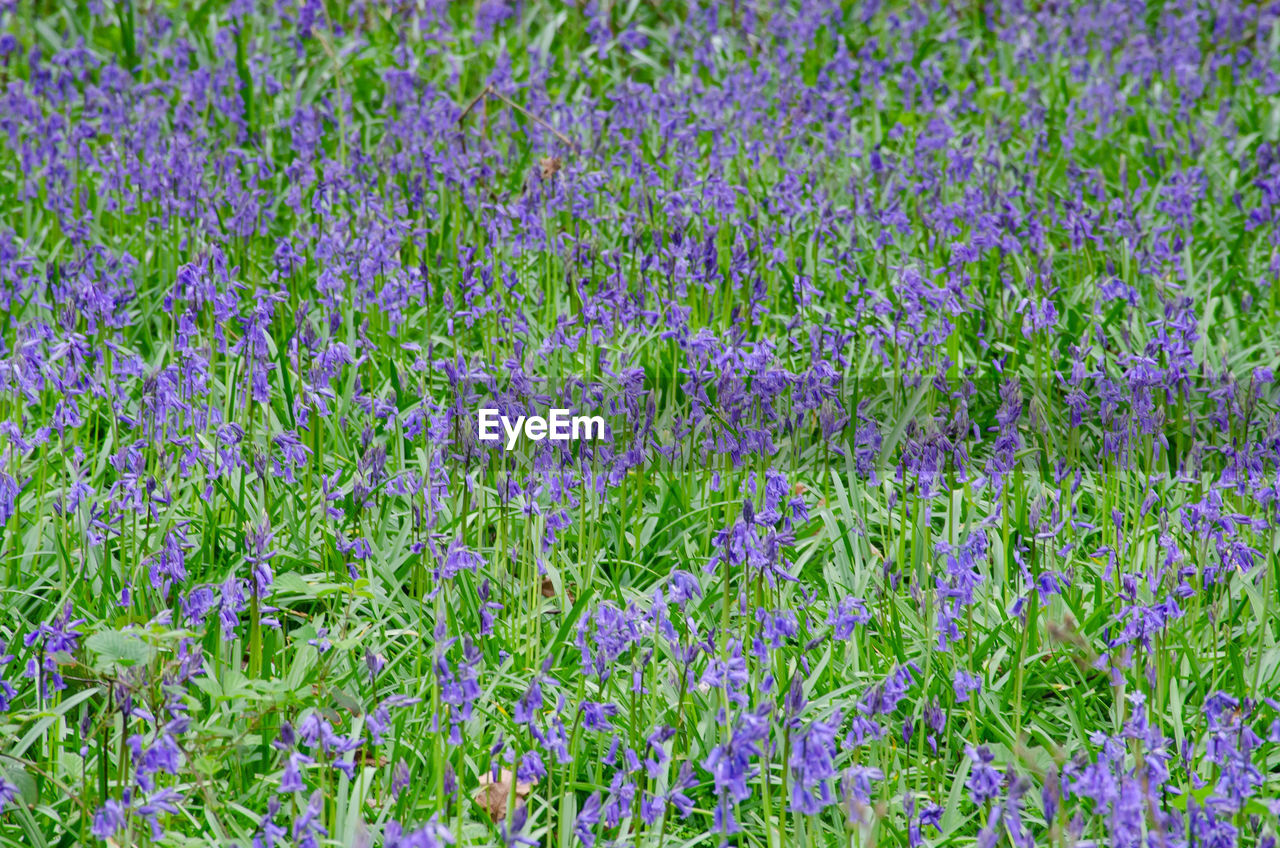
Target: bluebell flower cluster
939,490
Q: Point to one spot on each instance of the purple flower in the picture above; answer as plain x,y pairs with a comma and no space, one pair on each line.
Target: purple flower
306,828
595,716
684,587
884,697
374,663
984,781
164,800
259,553
457,559
8,793
686,780
965,684
812,762
7,692
291,780
321,641
731,767
527,707
399,778
588,818
57,637
1051,794
269,831
955,587
846,615
511,831
431,835
929,815
231,604
855,784
109,820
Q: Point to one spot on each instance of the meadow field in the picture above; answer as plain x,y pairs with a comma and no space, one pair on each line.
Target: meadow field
935,344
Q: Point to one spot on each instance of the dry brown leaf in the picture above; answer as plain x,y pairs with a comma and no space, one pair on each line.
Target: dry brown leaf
549,166
493,794
549,590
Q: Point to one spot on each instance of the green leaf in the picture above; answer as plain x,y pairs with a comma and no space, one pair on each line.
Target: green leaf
18,777
116,649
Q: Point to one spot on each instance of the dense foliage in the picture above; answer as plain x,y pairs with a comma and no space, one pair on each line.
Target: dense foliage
937,346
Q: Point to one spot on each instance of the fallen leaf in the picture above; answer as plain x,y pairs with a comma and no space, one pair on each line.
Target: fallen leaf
493,794
549,590
549,166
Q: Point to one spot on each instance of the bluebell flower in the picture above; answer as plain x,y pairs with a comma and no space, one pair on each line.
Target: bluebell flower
595,716
306,828
8,793
431,835
683,587
321,641
109,819
846,615
884,697
512,832
812,763
528,705
399,778
56,637
269,832
855,784
7,692
588,818
257,541
984,781
965,684
291,780
731,767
